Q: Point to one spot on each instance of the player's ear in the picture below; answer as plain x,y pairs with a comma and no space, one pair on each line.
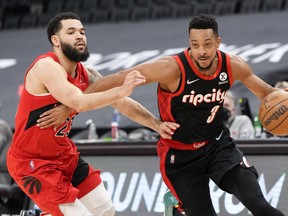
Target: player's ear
55,40
218,40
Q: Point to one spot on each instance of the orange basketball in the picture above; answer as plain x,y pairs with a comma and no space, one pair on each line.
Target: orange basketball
273,113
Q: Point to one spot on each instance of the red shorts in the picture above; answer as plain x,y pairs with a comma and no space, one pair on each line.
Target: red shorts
48,181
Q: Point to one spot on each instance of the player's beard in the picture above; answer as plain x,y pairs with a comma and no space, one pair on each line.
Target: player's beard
73,54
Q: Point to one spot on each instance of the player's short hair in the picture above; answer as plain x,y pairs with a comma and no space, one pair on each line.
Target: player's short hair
203,21
55,24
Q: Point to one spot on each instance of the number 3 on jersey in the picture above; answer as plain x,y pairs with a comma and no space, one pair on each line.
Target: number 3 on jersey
214,110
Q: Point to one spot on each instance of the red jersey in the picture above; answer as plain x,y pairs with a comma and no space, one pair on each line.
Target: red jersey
28,139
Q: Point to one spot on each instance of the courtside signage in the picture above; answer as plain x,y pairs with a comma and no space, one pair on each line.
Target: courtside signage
136,185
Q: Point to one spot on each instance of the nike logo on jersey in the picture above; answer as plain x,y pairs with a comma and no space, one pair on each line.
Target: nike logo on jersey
192,81
218,138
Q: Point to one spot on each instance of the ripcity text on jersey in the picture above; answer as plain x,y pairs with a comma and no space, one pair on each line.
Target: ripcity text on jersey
197,104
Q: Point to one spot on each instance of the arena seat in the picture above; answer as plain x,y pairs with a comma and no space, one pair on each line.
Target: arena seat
43,19
85,16
11,22
120,10
140,13
141,10
285,5
248,6
11,196
224,7
28,21
70,5
271,5
54,7
160,9
87,5
105,4
99,15
181,8
203,7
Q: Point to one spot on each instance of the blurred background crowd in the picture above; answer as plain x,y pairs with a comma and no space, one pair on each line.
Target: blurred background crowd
36,13
25,20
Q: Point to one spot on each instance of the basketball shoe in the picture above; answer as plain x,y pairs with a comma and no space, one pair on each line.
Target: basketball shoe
171,203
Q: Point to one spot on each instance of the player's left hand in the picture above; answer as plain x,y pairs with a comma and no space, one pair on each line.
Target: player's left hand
167,129
54,117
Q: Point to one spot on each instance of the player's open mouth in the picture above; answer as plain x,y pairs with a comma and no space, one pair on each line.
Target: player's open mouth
81,44
203,60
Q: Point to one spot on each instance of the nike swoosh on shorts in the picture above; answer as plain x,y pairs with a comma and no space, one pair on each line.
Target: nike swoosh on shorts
218,138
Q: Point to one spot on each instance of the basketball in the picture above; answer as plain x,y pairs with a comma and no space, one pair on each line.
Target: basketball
273,113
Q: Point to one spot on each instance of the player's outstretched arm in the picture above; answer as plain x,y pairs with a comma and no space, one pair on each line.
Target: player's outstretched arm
138,113
53,77
58,115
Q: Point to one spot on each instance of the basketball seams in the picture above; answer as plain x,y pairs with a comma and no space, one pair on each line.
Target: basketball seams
273,113
285,118
272,108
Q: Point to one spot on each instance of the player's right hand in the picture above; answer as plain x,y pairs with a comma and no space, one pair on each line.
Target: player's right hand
133,79
167,129
54,117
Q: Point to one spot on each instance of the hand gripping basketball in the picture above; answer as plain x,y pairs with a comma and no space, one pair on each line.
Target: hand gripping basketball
273,113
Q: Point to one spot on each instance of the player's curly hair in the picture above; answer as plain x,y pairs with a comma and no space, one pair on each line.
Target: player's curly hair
55,25
203,21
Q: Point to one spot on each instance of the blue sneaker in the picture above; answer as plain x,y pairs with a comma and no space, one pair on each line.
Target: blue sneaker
31,212
170,202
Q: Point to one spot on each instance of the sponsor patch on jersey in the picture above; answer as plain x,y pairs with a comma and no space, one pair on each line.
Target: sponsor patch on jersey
223,77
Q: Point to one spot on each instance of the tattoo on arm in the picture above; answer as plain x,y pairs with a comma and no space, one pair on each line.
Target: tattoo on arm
93,75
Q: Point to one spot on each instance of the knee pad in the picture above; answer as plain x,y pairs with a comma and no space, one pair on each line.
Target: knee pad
99,202
75,208
107,209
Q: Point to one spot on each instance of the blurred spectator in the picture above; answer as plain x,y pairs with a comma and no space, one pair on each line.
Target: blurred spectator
5,140
281,84
240,126
5,133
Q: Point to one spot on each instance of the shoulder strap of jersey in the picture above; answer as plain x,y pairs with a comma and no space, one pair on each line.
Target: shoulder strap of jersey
184,60
226,66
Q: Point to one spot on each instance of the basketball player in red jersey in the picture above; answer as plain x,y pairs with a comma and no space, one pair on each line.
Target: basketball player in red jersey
45,162
192,86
